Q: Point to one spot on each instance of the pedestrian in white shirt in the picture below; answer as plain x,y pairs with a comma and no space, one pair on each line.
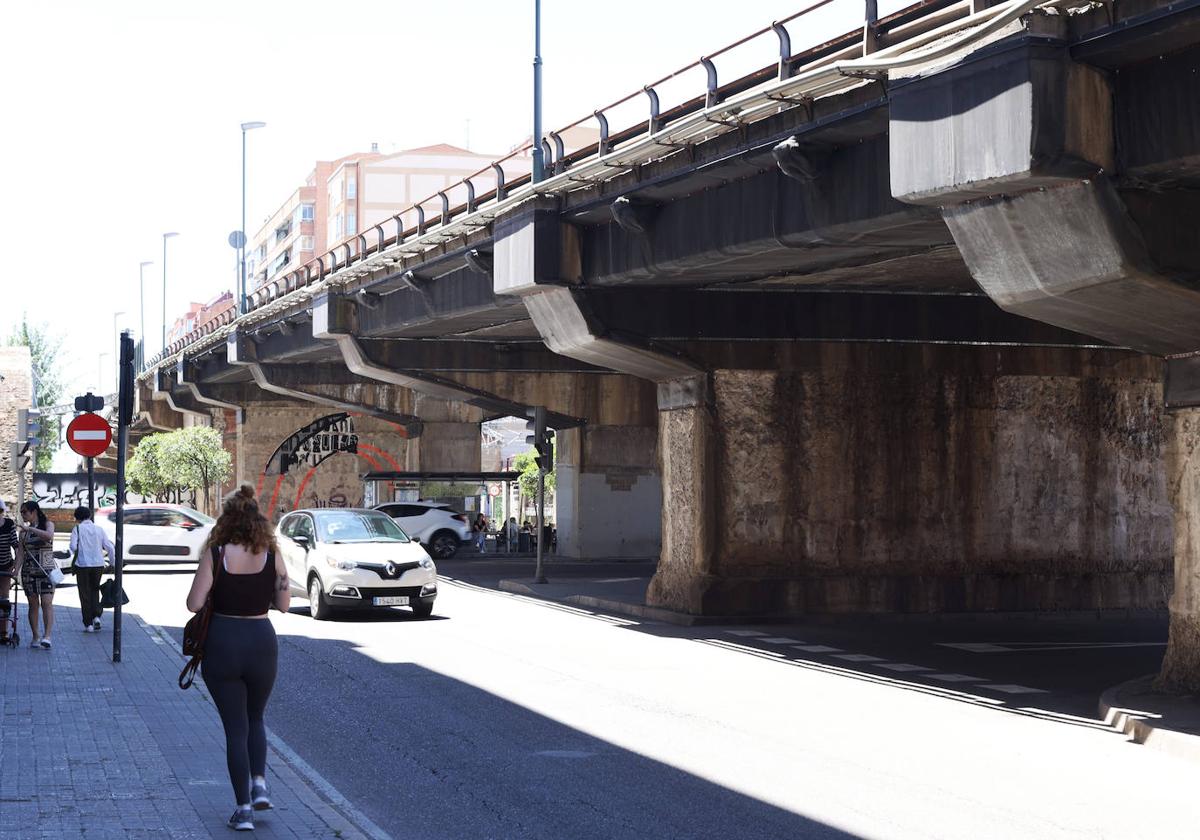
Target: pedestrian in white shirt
89,544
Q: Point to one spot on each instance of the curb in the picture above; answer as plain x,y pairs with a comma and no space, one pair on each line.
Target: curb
353,823
1118,708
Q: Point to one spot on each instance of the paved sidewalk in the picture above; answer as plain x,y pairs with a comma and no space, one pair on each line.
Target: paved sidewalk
92,749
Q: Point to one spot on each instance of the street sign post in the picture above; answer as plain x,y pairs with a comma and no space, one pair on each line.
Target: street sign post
89,435
124,418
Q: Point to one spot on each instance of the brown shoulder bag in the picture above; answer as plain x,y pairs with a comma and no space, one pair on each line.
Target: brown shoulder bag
195,632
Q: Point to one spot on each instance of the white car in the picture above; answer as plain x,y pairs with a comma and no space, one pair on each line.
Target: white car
158,533
440,528
347,558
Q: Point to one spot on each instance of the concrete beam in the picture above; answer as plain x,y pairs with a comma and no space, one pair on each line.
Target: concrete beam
185,376
335,320
277,379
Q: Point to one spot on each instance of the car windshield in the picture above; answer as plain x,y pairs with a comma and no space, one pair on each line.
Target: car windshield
202,518
345,526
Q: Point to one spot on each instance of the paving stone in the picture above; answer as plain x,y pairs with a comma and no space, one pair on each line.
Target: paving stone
95,749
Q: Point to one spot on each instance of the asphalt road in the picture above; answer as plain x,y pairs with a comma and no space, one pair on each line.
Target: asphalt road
506,717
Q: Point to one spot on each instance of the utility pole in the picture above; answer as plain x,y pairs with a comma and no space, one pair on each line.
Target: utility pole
124,418
539,163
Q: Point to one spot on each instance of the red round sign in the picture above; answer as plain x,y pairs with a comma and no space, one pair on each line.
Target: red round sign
89,435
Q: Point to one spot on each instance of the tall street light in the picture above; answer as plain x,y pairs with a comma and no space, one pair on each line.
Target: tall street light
539,165
166,236
246,126
117,336
142,307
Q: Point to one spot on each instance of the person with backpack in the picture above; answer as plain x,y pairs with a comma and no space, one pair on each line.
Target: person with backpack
243,570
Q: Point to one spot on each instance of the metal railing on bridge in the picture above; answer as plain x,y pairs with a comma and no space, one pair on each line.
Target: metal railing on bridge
913,35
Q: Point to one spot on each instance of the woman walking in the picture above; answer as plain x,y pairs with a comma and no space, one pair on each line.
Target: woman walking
36,548
240,653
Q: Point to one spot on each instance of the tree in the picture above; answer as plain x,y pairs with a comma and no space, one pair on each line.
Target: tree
526,465
44,349
143,470
185,459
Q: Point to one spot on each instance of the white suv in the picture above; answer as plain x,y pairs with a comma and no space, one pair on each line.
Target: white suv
440,528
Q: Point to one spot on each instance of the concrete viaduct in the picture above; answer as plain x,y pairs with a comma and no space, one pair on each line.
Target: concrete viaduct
907,321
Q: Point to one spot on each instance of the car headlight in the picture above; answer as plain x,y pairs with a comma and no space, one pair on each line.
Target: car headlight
427,563
345,565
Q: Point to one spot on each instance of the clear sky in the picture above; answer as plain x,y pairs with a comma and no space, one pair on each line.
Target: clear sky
121,120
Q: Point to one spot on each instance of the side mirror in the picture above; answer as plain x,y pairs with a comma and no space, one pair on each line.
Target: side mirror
302,540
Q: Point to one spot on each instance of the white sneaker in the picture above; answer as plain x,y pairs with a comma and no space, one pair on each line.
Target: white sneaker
96,625
87,629
35,642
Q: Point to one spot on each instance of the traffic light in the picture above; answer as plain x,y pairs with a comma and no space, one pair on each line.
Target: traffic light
542,439
18,459
29,428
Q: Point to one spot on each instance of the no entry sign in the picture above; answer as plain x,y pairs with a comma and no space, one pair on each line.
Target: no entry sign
89,435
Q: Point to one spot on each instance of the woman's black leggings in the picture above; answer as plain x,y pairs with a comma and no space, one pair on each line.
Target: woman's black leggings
240,657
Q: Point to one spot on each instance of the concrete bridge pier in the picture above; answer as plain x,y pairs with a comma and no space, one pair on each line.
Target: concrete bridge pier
450,437
1070,193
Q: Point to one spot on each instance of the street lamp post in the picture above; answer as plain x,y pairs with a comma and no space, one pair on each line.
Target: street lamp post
165,236
142,308
246,126
117,333
539,164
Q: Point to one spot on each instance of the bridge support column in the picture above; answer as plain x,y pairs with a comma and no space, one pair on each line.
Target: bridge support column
608,495
450,437
1181,666
688,443
889,478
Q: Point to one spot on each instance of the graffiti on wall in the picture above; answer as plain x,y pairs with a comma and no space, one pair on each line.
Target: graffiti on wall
310,446
70,490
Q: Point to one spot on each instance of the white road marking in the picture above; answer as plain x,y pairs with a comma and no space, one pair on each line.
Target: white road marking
956,678
1011,647
817,649
858,657
745,633
782,640
1014,689
301,767
903,667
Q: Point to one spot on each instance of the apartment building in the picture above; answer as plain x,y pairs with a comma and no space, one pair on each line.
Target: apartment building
197,314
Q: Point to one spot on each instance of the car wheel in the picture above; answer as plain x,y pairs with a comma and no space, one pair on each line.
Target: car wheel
443,545
423,610
318,607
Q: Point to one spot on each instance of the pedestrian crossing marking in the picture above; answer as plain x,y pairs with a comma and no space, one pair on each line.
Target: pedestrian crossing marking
858,657
903,667
1015,689
782,640
955,678
745,633
817,649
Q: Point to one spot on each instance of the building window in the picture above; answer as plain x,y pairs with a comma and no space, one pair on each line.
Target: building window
307,243
351,188
307,212
283,232
279,262
351,222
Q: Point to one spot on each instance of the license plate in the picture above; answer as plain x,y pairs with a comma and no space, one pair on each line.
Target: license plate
391,601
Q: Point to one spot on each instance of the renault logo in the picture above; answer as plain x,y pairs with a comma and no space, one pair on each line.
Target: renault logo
390,568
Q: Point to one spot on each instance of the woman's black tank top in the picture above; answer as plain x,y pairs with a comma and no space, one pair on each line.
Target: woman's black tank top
244,594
